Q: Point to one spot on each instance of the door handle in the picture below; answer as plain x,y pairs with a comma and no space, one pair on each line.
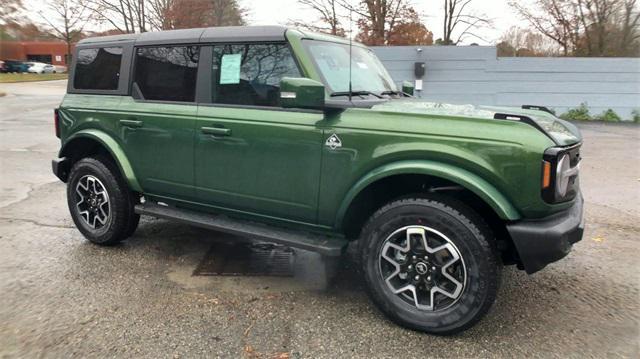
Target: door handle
216,131
131,123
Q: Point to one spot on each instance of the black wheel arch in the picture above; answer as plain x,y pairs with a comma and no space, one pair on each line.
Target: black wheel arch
82,147
388,189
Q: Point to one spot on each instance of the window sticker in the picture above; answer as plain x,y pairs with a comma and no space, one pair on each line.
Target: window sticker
230,69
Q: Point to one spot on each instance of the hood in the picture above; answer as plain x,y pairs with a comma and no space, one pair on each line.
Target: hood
563,133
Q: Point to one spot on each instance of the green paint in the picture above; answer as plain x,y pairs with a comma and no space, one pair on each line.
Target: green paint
114,149
272,163
301,93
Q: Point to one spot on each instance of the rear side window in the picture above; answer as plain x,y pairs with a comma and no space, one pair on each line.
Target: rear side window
98,69
167,73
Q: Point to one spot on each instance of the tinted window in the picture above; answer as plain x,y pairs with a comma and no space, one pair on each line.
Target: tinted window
98,69
250,74
167,73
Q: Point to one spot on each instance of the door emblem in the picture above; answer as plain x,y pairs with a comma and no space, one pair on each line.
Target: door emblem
333,142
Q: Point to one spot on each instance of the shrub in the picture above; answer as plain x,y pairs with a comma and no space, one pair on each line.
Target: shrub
635,115
608,116
577,114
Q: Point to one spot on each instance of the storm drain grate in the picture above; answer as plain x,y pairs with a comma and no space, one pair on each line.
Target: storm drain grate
246,259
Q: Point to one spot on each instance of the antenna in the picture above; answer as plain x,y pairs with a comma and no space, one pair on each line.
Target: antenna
350,41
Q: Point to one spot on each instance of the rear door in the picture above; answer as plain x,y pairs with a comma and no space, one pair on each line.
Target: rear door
251,155
157,127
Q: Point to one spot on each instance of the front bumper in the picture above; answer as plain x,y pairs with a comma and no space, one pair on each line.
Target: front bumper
546,240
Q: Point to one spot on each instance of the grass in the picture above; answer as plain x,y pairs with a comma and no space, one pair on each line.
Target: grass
22,77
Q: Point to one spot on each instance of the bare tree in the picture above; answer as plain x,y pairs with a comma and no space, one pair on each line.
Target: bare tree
227,13
517,42
610,27
595,16
587,27
409,30
160,14
71,16
9,10
127,16
629,17
329,16
379,20
458,19
556,19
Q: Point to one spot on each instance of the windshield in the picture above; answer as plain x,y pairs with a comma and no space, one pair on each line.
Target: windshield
332,61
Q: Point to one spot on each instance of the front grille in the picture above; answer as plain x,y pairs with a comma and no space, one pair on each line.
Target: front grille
552,155
574,154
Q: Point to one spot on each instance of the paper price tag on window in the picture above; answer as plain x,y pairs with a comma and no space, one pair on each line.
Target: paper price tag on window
230,69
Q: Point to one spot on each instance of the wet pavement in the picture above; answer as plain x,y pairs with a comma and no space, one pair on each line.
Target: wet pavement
63,297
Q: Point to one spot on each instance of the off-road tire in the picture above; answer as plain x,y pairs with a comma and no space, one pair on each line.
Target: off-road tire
122,221
465,230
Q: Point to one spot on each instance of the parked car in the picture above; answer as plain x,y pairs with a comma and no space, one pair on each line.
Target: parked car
41,68
16,66
303,139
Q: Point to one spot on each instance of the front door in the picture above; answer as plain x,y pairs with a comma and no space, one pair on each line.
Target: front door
251,155
157,127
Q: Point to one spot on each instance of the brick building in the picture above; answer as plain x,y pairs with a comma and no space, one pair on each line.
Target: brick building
50,52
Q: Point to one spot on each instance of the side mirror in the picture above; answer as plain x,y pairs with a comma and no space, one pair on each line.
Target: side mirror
300,92
407,87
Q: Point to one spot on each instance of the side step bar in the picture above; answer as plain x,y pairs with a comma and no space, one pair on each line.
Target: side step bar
325,245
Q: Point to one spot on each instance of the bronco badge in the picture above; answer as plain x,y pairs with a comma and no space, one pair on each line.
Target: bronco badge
333,142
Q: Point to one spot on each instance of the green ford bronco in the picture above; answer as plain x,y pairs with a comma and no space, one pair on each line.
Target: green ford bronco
303,139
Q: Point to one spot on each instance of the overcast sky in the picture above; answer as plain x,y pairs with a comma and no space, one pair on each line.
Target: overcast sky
269,12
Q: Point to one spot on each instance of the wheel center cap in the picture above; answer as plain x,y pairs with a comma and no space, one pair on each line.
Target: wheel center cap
422,268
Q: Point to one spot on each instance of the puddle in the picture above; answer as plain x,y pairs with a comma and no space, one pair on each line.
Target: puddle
244,267
247,259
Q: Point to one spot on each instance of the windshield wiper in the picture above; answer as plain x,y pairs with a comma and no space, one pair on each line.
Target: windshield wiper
354,93
399,93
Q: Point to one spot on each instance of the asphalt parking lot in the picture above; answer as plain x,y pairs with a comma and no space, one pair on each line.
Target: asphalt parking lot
63,297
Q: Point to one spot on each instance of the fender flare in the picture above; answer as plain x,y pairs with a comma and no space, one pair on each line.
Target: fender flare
112,146
470,181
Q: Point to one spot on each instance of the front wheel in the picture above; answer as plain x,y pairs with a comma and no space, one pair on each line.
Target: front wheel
101,204
430,264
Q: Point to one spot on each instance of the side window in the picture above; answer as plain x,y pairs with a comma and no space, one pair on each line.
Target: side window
167,73
98,69
250,74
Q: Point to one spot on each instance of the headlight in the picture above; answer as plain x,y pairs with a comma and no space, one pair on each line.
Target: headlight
559,173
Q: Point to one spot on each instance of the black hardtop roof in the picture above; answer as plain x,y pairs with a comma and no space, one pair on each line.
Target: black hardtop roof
209,34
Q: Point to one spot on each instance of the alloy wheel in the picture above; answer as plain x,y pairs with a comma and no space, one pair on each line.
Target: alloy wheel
92,201
423,267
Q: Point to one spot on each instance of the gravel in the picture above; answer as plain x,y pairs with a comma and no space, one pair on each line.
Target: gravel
63,297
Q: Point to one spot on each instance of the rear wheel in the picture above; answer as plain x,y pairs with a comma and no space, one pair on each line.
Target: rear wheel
100,202
430,264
